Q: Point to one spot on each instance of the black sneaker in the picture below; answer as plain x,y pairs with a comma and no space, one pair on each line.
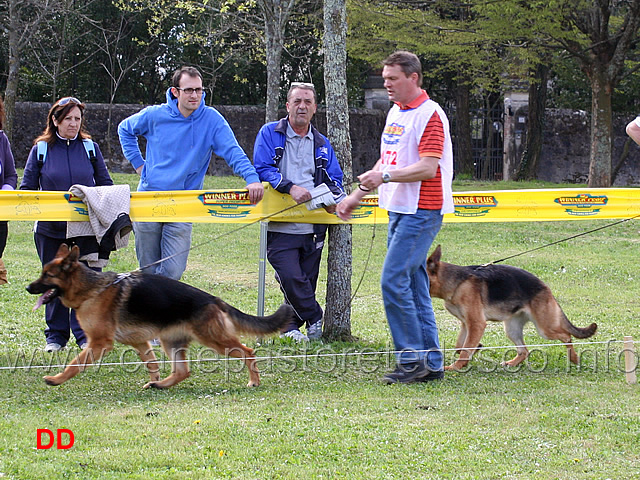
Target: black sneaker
412,373
435,375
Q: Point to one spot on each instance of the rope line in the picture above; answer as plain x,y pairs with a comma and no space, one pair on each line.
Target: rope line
562,240
305,356
235,230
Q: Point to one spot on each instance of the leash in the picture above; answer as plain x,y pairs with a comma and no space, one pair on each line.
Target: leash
235,230
364,271
561,240
366,263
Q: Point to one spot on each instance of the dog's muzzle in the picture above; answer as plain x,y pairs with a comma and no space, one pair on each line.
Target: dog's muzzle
48,293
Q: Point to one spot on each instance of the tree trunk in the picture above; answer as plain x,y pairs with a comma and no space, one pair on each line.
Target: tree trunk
273,43
338,309
464,150
601,131
535,124
276,15
13,75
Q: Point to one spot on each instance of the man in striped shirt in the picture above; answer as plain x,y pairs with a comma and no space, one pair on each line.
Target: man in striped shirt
413,177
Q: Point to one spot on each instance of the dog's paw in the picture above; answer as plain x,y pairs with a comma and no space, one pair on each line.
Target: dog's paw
456,366
51,381
155,385
253,384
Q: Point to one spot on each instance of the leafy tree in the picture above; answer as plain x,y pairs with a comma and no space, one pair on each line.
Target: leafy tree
444,35
23,19
599,34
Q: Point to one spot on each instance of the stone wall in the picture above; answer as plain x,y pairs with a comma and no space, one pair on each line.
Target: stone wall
565,152
102,123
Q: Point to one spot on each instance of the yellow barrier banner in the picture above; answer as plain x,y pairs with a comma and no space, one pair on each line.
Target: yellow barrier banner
233,206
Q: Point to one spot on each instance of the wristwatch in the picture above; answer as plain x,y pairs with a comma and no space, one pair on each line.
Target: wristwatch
386,177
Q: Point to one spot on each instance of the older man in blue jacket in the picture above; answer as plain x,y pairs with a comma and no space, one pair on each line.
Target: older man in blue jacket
296,159
181,136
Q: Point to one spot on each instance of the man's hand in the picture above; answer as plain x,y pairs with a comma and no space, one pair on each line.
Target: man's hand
330,209
139,169
371,179
348,205
256,192
299,194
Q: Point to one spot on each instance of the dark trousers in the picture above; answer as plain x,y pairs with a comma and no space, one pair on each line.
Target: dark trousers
60,319
4,231
296,260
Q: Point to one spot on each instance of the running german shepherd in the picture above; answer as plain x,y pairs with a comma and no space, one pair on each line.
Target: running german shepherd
499,293
135,308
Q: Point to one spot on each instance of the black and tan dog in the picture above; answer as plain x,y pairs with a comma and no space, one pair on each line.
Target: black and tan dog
499,293
135,308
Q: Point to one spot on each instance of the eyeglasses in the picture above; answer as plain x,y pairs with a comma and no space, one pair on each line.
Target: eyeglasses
303,85
65,100
190,91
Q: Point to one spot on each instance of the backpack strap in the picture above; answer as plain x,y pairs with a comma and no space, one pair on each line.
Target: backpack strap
89,147
91,151
42,153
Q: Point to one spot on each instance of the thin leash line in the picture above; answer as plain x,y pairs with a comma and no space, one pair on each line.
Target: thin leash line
306,356
353,296
366,263
237,229
562,240
364,271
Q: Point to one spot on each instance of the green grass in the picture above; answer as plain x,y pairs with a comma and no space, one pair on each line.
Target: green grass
329,416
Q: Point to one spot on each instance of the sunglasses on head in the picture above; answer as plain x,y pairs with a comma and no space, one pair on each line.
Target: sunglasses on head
302,84
65,100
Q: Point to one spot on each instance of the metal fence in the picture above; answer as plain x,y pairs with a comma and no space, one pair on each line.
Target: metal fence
487,140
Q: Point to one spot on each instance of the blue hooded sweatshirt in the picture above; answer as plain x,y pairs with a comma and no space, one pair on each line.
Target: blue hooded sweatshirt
179,149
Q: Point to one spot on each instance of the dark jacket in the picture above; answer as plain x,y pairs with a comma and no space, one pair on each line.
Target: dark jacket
8,175
66,164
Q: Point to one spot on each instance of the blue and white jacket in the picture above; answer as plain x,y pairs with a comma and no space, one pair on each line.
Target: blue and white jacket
269,149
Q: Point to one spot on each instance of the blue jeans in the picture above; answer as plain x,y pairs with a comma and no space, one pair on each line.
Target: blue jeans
405,287
156,241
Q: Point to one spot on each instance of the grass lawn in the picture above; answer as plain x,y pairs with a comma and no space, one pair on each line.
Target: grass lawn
321,411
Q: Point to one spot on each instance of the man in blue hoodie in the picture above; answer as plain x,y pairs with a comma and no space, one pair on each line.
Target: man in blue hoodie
181,136
295,159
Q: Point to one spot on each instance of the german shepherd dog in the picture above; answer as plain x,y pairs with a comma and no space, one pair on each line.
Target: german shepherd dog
500,293
135,308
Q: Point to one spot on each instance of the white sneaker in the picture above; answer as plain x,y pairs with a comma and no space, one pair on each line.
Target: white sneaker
84,345
53,347
296,335
314,332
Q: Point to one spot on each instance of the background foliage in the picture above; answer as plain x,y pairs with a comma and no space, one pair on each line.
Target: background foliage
115,51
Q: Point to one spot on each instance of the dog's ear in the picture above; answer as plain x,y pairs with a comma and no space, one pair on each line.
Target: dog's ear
71,259
63,250
75,254
433,262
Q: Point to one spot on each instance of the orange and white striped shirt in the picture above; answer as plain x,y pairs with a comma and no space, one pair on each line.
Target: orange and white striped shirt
416,130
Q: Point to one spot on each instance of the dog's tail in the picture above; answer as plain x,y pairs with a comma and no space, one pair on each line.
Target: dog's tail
581,332
260,325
